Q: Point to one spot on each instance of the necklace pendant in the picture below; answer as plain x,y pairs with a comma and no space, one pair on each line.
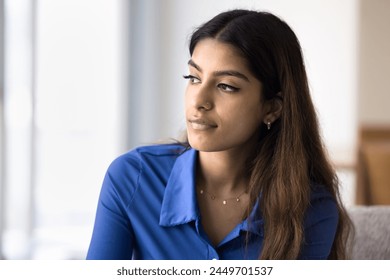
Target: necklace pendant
201,191
224,202
238,199
212,197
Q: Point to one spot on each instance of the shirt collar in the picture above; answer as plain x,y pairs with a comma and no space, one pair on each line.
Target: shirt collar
254,223
179,202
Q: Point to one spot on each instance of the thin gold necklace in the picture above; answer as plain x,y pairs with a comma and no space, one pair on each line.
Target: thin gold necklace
224,201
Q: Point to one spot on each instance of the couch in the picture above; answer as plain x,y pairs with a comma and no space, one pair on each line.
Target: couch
372,232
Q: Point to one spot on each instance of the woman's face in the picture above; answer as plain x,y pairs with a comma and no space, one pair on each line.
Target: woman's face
224,108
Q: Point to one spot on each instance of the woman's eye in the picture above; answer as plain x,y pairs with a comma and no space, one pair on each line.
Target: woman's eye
192,79
228,88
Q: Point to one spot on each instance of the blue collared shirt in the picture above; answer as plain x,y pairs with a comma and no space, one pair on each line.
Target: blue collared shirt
148,209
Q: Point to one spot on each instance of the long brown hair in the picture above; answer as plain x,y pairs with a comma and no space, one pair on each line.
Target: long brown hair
291,155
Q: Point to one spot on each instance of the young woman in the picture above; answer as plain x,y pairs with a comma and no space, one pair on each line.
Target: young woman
251,182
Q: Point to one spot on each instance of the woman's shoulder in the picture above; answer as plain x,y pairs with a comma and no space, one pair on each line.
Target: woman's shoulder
319,192
139,157
163,150
125,173
322,206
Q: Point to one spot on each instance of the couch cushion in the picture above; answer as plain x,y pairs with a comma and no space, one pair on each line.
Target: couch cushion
372,232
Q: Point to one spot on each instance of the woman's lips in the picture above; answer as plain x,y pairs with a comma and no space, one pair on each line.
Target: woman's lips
201,124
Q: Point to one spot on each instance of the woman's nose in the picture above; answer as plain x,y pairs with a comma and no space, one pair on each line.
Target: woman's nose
203,99
205,107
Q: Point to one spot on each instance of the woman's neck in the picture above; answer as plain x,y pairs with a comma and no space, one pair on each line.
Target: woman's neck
224,172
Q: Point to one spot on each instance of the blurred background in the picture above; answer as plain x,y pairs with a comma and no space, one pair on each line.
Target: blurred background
83,81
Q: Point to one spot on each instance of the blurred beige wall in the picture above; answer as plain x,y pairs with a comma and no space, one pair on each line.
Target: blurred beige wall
374,63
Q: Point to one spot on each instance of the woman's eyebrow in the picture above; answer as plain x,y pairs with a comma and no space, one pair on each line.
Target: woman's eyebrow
193,64
231,73
220,73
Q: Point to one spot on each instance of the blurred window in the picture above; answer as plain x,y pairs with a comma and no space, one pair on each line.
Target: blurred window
62,123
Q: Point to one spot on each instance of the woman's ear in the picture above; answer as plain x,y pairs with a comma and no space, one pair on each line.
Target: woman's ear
273,108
